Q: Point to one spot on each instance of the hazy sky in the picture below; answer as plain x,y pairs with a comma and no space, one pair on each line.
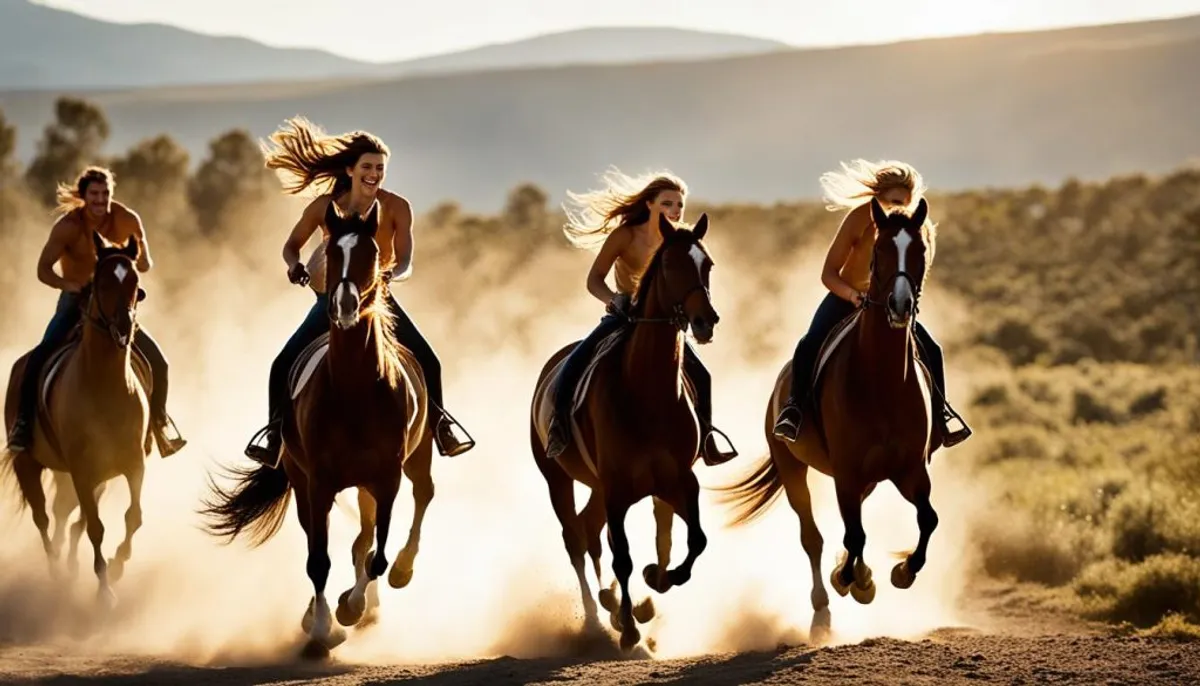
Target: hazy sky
398,29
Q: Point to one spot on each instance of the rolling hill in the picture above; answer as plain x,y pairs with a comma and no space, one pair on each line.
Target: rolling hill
47,48
974,111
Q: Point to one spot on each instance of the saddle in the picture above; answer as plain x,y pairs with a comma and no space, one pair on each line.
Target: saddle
545,408
306,363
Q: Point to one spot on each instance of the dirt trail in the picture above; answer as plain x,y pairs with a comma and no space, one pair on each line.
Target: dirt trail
1014,638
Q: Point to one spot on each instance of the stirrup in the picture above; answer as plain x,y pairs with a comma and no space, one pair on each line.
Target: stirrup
785,428
20,437
448,420
949,438
167,437
722,456
262,453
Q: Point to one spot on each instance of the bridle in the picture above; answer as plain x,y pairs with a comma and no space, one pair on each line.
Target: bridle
100,320
677,318
891,286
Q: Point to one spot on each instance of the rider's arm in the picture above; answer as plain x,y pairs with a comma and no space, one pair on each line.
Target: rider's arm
308,224
849,233
55,248
614,245
138,231
402,238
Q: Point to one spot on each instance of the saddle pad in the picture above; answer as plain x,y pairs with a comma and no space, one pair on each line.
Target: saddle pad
306,363
839,334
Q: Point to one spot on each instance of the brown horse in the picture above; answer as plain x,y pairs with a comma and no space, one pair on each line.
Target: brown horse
873,422
93,423
358,420
638,432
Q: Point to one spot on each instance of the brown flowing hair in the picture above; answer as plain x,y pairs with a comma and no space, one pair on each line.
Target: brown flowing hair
305,157
622,202
70,197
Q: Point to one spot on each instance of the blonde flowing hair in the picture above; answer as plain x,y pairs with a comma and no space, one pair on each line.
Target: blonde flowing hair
861,180
622,202
70,197
305,157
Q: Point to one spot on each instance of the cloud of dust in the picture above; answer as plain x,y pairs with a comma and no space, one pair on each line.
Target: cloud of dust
492,576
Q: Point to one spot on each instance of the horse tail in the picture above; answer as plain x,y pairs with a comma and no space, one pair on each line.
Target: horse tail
753,495
257,505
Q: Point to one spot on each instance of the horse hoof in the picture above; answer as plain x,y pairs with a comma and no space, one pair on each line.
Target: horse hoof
369,619
630,638
306,623
655,578
820,631
106,599
348,611
644,611
651,644
399,578
614,619
335,637
901,577
835,581
608,598
864,595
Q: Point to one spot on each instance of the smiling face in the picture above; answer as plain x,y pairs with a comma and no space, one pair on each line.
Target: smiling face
669,204
97,198
367,174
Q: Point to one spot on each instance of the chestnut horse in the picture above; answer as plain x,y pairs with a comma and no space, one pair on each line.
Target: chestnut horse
358,421
93,425
873,422
638,427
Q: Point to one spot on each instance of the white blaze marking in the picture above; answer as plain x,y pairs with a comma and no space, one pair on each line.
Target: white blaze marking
120,271
902,291
347,243
697,255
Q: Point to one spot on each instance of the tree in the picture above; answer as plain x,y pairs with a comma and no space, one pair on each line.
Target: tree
8,145
152,178
233,176
72,142
526,207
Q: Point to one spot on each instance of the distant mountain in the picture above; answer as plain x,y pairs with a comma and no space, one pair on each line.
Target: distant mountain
995,109
47,48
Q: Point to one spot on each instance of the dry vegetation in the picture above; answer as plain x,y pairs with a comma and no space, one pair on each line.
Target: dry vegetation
1081,300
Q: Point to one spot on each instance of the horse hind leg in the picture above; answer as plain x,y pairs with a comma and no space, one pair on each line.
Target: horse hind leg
322,629
574,532
915,488
794,474
418,469
29,480
65,503
77,529
353,604
359,611
622,567
852,573
86,491
133,522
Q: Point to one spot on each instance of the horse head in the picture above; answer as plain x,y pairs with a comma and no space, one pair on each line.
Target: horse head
682,286
352,263
114,292
899,261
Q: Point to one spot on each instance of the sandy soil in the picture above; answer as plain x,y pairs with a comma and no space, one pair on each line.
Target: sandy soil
1015,638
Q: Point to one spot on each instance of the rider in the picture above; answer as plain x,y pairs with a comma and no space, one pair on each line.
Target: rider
627,213
84,208
847,275
349,169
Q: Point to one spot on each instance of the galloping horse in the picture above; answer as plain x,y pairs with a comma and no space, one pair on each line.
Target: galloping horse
637,433
357,420
93,420
873,421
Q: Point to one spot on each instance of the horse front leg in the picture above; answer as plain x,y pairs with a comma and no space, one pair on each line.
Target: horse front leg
323,631
697,541
915,488
348,615
85,490
418,470
852,573
375,562
617,508
133,521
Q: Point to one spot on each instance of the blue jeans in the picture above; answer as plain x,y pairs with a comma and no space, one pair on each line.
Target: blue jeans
833,310
578,360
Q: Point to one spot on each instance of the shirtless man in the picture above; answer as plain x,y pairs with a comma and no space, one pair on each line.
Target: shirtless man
85,208
352,167
627,214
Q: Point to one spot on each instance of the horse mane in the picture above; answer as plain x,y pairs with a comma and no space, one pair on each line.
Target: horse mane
382,322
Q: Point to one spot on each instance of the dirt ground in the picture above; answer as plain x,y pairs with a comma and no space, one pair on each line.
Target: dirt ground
1017,639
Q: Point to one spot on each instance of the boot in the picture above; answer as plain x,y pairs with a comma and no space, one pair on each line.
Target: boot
557,440
448,443
21,435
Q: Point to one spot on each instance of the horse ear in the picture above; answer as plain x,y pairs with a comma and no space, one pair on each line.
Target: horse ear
333,218
141,294
701,227
98,242
371,222
878,214
131,248
665,227
922,211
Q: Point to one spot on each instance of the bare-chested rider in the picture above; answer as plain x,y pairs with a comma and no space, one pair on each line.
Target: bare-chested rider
88,207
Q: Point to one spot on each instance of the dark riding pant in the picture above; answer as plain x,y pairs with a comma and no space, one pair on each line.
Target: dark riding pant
833,310
431,367
67,314
158,371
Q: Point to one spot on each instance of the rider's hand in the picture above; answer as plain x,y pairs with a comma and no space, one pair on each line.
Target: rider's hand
858,298
298,274
619,304
386,276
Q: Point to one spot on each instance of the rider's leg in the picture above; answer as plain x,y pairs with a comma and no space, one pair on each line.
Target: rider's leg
160,422
568,378
431,367
66,316
695,370
832,310
315,323
931,353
